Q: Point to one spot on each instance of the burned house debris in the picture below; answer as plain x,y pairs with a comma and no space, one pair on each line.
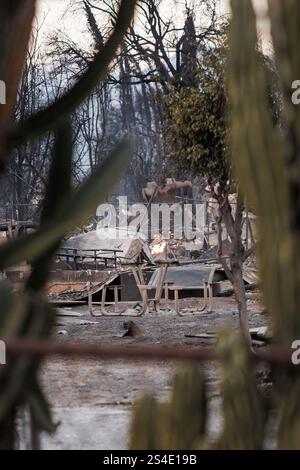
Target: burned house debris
126,266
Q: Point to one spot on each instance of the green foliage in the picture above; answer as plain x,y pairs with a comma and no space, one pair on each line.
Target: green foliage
198,119
266,161
261,160
244,410
187,409
145,427
27,314
197,127
182,423
177,425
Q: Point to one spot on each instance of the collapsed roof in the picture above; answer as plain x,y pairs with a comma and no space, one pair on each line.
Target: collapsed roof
126,245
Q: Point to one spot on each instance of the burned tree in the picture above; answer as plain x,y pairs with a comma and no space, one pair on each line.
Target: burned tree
197,135
156,52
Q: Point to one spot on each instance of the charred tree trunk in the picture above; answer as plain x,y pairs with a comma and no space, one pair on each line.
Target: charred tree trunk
8,432
240,293
234,269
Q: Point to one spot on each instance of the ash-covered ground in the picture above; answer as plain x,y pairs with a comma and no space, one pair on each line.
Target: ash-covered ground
92,399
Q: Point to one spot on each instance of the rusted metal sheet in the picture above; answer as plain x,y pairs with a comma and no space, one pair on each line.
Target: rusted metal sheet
73,285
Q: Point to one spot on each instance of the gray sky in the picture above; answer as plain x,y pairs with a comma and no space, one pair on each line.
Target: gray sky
52,12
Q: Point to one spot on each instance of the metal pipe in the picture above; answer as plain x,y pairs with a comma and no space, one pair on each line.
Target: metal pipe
38,347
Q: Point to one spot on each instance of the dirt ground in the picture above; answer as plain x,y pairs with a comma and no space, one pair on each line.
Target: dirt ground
92,400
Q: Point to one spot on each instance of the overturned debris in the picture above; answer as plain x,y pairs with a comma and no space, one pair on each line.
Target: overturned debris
132,330
101,248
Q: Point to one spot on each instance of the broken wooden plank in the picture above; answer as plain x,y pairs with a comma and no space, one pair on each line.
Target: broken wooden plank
67,313
201,335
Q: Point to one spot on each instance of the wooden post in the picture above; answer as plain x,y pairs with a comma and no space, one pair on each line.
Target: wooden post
167,295
90,297
176,299
103,298
160,284
116,298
